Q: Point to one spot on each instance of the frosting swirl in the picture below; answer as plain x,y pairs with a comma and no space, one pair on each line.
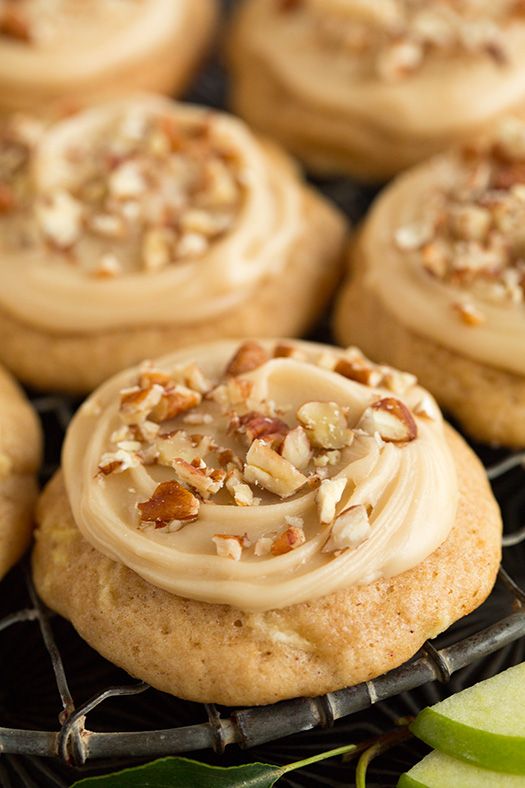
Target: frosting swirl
212,476
444,249
144,211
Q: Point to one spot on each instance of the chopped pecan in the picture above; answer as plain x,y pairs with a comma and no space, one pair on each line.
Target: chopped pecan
296,448
170,501
391,419
288,540
136,404
118,461
325,425
328,496
271,471
205,480
359,371
230,546
469,313
350,529
175,399
257,425
247,357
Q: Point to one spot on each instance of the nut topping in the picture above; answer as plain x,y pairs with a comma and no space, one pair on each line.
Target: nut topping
170,501
248,357
296,448
228,546
118,461
359,371
175,400
391,419
205,481
328,496
469,314
257,425
350,529
325,425
269,470
288,540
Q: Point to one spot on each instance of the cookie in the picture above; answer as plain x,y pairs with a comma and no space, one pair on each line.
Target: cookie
243,524
20,453
75,53
140,226
437,283
369,89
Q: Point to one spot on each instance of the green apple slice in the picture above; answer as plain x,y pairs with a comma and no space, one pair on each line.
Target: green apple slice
438,770
484,724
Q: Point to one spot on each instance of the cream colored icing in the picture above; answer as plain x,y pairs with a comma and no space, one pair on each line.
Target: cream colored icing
431,103
411,490
43,288
422,302
67,33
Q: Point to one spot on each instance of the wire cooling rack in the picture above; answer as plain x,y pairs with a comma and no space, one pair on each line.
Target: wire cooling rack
76,742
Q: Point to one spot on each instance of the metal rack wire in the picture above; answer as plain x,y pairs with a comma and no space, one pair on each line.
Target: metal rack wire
76,744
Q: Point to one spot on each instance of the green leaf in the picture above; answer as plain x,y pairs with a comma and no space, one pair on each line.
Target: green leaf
185,773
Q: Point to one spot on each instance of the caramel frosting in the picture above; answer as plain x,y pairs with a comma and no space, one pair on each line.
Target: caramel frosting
54,40
140,211
445,249
396,63
261,475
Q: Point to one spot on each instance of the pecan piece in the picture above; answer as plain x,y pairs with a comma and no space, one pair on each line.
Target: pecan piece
256,425
248,357
289,540
325,425
170,501
296,448
358,371
175,400
350,529
207,482
268,469
391,419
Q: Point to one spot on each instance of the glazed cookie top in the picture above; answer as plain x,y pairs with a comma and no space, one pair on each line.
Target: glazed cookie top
139,211
47,24
44,36
398,62
261,475
445,249
392,39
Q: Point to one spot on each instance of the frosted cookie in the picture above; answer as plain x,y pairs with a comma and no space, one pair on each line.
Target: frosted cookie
20,450
142,225
370,88
242,524
69,52
438,283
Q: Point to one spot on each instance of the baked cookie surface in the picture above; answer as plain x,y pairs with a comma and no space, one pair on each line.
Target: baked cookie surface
437,283
183,227
258,581
371,88
20,452
71,52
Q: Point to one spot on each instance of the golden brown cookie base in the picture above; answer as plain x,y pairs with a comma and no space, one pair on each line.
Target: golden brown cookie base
216,653
489,403
284,305
20,448
168,68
